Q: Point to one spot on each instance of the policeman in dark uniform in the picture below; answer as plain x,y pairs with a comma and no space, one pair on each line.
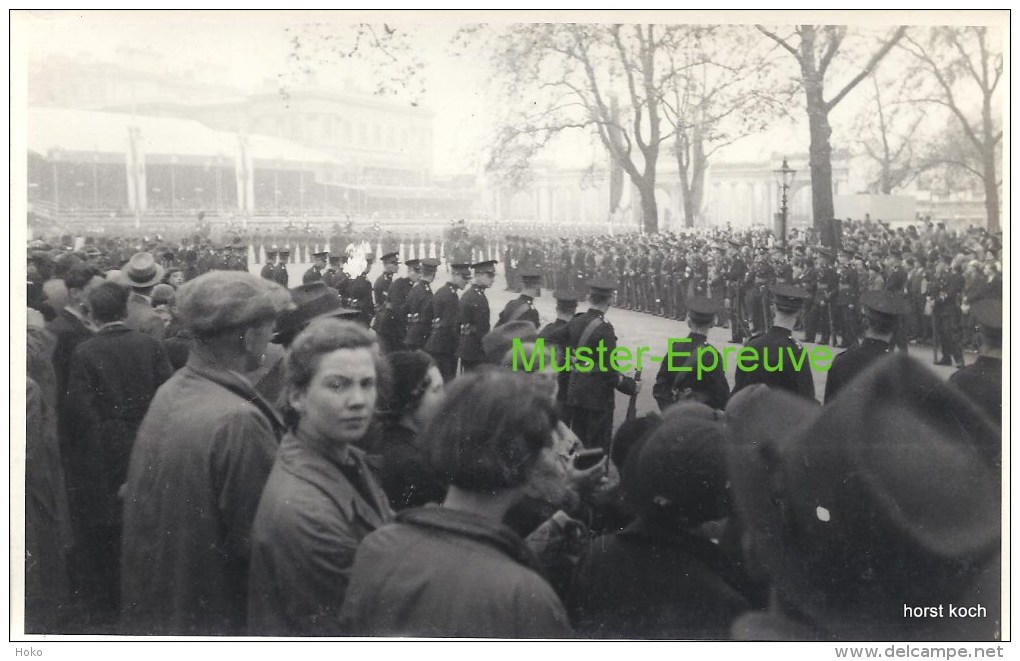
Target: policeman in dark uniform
357,293
882,312
269,270
772,361
591,394
678,378
444,336
418,305
982,381
280,274
315,272
566,309
387,324
523,307
329,275
473,316
847,295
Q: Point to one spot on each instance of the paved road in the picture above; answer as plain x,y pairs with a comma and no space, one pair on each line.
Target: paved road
634,329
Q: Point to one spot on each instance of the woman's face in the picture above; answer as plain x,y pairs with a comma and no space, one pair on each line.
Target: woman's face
176,279
339,400
431,399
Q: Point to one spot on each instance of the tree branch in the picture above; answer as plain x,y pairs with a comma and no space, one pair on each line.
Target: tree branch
872,63
779,40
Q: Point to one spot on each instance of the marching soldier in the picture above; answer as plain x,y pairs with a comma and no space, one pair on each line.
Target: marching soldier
566,309
280,274
388,320
419,305
679,380
523,307
774,365
882,312
591,395
356,293
444,336
314,273
268,271
473,316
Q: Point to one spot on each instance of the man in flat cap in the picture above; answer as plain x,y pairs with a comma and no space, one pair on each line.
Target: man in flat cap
202,456
418,304
444,336
523,307
591,395
682,380
473,316
982,381
775,358
882,313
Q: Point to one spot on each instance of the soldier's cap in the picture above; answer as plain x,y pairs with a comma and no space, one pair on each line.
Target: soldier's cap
497,342
884,303
788,297
488,266
430,264
285,251
897,480
567,295
702,309
321,254
413,264
393,257
988,313
336,259
462,268
602,285
271,253
220,300
530,273
311,301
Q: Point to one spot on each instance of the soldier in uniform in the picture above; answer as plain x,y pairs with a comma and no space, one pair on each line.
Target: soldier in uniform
473,316
847,295
329,274
678,379
566,309
982,381
882,312
736,276
315,272
418,305
591,394
523,307
946,291
388,322
357,293
268,271
776,349
444,336
280,274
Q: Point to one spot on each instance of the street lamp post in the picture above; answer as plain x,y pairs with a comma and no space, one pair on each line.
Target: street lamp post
784,177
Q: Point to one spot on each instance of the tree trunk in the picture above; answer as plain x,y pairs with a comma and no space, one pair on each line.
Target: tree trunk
615,185
820,161
649,209
991,190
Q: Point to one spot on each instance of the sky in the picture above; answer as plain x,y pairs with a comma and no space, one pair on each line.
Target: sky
244,48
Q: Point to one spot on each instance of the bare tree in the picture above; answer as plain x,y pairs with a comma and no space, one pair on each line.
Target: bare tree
966,70
556,77
719,94
815,51
888,134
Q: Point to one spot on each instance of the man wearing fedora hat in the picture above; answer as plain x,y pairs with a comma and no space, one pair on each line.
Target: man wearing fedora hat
142,273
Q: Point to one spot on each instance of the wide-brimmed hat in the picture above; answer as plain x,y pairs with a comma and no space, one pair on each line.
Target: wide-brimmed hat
888,496
142,270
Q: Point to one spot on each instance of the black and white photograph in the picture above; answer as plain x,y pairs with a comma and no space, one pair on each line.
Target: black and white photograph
511,325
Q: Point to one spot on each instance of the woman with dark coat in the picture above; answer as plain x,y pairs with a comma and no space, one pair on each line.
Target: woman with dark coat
457,570
322,498
395,441
113,378
662,577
